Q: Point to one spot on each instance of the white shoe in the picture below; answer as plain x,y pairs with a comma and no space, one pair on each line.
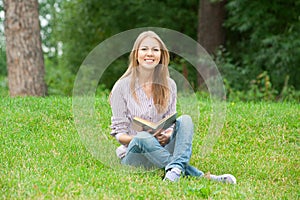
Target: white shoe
225,178
173,175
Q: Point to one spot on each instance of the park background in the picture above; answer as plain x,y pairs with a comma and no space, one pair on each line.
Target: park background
255,44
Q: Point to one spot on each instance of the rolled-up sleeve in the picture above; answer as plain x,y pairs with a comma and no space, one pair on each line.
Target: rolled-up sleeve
119,119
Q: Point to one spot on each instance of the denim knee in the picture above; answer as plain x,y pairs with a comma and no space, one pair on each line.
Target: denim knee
143,135
186,120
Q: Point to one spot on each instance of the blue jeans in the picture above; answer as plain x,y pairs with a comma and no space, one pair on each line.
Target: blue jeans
144,149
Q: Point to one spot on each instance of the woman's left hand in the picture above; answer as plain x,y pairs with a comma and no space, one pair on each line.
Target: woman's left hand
164,136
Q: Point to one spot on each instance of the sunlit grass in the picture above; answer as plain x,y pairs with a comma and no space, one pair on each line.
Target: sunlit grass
42,155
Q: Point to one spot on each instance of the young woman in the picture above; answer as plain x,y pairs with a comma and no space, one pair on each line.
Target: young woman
146,91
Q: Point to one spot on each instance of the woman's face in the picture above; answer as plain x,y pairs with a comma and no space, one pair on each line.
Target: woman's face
149,53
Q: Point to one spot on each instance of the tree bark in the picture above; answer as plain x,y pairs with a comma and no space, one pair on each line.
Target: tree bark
211,34
25,61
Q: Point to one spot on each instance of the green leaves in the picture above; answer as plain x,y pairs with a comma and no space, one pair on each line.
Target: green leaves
86,24
266,39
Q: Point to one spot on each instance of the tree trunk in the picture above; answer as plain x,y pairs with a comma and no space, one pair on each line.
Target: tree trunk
211,33
25,62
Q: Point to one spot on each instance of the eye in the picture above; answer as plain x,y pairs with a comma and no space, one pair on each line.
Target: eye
157,49
143,49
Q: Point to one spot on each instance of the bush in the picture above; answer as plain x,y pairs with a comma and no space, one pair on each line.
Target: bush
264,36
58,79
260,89
3,86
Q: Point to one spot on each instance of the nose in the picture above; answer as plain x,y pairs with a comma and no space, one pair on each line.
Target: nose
149,52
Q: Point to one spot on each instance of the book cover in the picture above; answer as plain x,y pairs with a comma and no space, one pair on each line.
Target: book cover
140,124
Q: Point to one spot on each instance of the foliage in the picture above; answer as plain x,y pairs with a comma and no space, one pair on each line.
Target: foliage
188,71
98,20
49,17
3,86
264,36
59,80
240,87
3,70
43,157
258,38
261,89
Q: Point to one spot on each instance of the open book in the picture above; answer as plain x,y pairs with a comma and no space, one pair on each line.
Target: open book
140,124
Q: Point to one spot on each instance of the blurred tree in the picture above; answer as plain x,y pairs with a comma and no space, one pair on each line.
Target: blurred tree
211,33
260,36
3,70
25,61
264,36
97,20
49,17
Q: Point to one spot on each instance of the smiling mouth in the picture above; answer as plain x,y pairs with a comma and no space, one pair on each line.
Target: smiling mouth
149,60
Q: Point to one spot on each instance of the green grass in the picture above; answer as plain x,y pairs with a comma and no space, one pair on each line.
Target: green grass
42,155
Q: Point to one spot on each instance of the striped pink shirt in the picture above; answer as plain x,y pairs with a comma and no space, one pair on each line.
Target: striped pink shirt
125,108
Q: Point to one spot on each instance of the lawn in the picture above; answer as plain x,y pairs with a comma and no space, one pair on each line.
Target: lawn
43,156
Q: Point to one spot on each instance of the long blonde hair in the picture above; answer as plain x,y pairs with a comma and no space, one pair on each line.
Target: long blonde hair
160,87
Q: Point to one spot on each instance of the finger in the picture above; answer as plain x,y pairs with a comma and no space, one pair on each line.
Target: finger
161,137
157,133
161,140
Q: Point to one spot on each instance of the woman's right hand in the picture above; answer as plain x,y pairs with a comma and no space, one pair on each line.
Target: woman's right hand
163,137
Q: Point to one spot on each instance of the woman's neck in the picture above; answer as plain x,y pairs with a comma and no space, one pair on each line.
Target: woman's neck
145,76
145,79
